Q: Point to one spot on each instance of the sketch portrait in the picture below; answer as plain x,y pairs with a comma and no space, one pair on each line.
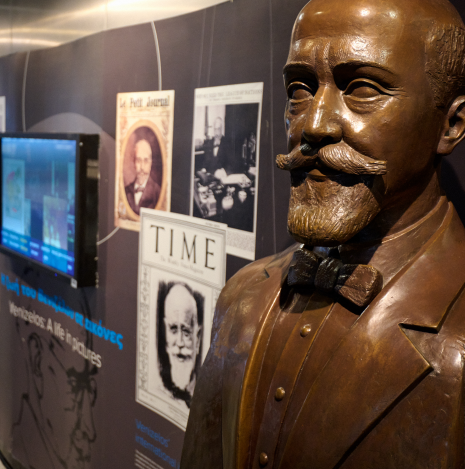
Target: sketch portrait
54,423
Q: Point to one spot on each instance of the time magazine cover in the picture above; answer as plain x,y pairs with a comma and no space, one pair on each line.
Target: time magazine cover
182,269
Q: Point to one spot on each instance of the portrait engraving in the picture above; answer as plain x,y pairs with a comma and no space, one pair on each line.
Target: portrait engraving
144,139
142,170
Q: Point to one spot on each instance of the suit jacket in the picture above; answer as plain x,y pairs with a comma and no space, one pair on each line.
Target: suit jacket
149,197
211,162
389,394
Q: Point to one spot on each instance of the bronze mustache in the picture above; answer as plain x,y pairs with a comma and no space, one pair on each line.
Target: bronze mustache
340,157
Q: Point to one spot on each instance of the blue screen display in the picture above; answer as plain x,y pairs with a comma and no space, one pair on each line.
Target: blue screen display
38,200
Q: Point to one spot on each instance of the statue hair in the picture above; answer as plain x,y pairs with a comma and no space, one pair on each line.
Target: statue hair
445,65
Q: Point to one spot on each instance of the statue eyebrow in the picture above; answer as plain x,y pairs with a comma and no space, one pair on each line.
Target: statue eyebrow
376,71
295,66
355,64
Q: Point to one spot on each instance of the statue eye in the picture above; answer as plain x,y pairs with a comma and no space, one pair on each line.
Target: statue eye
298,91
364,89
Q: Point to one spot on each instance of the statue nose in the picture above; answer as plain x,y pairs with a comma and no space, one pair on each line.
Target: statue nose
322,124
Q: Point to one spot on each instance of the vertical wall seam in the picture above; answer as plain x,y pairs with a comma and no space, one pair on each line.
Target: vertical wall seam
273,197
201,47
23,95
10,13
211,48
157,47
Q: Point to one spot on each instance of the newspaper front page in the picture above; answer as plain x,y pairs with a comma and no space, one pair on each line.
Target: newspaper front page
225,157
144,141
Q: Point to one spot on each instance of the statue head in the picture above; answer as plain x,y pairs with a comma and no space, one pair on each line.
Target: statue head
376,94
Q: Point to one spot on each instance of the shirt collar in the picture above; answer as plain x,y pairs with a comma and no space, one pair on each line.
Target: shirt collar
391,253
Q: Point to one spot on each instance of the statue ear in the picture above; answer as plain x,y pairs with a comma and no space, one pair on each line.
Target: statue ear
454,127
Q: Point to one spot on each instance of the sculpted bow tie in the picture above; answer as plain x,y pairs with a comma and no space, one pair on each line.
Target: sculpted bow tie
355,282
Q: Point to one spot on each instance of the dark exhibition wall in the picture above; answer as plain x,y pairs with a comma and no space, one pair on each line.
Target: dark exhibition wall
55,412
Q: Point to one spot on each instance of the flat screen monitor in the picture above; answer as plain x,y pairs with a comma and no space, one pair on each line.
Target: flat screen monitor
49,193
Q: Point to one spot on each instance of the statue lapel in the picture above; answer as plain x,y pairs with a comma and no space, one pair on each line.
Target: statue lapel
251,327
376,365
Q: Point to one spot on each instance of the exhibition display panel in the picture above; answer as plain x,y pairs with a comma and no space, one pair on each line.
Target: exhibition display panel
139,175
49,202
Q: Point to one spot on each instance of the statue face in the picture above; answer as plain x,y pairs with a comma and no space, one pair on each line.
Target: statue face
357,89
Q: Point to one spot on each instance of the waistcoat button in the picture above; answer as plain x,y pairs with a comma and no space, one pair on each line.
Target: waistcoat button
280,393
305,330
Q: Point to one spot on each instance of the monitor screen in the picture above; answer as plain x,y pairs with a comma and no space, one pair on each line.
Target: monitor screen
39,200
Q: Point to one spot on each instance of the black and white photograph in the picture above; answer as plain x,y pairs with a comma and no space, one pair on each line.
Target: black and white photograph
173,337
54,422
182,264
180,311
225,161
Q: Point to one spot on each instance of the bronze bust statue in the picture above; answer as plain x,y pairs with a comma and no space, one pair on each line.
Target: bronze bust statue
348,350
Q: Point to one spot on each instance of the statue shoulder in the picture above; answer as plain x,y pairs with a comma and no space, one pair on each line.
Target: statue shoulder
255,272
241,285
